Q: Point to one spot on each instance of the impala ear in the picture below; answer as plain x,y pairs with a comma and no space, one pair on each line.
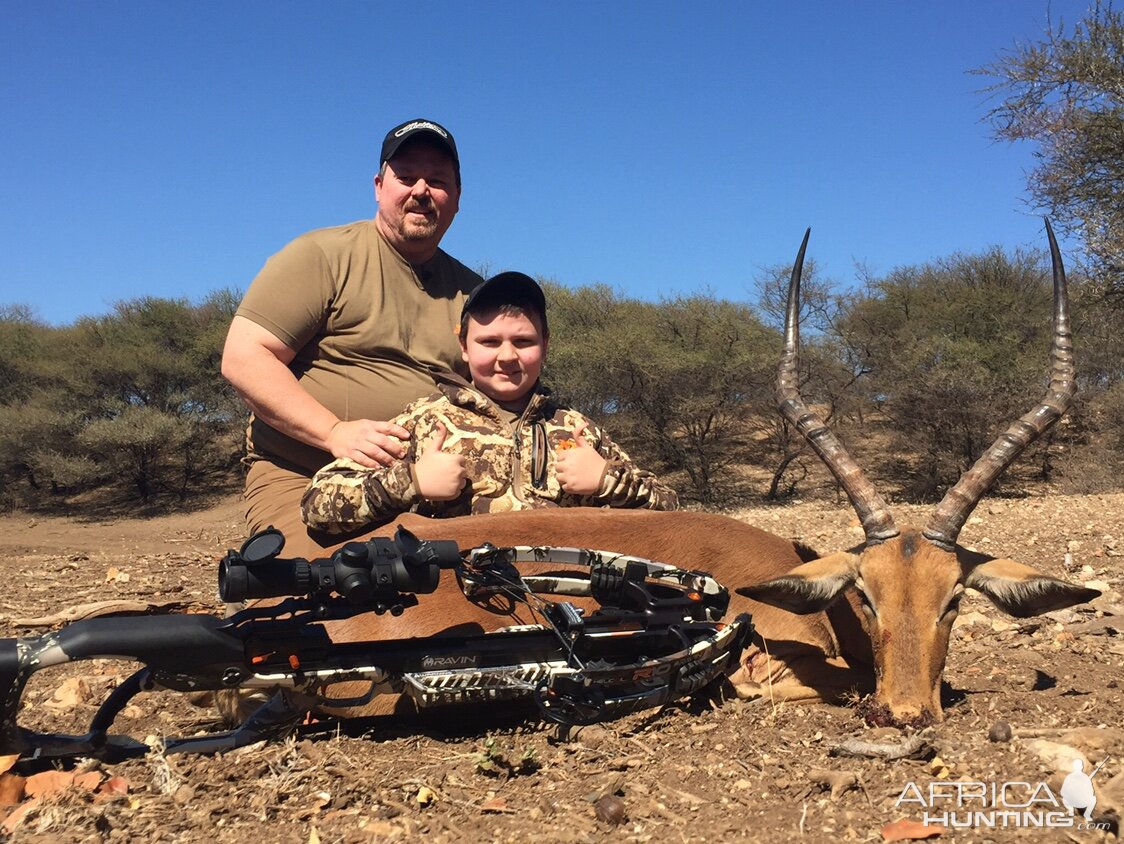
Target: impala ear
811,587
1022,591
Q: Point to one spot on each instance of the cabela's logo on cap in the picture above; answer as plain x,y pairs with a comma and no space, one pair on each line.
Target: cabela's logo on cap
421,124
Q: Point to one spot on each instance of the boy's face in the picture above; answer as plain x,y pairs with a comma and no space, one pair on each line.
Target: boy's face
504,353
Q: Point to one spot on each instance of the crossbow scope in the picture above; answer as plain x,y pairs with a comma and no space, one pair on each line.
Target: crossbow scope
360,572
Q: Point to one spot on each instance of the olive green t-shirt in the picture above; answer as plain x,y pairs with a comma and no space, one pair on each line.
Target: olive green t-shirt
364,323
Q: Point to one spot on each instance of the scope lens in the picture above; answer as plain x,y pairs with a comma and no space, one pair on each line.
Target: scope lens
275,579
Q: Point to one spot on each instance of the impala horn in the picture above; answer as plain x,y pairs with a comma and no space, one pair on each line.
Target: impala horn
878,524
958,503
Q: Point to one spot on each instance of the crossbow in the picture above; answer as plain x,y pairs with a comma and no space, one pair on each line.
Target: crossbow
655,635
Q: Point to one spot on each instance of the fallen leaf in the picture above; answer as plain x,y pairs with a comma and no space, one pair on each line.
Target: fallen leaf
313,836
425,795
110,789
11,788
495,804
48,782
90,780
907,830
115,575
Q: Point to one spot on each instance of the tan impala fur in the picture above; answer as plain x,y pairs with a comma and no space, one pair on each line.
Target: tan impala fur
816,660
874,618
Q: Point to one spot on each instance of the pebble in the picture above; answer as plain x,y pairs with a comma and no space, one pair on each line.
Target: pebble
1000,731
610,809
1056,755
592,736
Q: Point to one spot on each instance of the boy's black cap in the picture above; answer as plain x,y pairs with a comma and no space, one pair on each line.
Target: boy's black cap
504,289
411,129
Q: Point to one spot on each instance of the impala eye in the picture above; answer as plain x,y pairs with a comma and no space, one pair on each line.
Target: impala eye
953,605
864,599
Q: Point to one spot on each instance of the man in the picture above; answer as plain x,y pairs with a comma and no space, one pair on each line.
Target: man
336,333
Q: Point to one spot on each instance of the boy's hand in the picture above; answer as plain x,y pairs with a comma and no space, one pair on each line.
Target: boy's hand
579,468
441,476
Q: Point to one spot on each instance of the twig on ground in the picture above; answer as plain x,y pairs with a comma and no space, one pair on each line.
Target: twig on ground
914,747
98,608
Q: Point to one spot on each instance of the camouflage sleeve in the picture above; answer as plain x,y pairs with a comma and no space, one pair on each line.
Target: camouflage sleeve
623,484
345,496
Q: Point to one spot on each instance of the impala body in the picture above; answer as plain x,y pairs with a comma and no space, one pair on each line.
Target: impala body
875,618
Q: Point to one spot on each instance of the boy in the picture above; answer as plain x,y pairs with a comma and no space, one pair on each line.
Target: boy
499,443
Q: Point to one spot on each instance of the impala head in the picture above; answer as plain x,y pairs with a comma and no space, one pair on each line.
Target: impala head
908,583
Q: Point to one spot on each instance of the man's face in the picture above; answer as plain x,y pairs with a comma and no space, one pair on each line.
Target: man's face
418,197
504,353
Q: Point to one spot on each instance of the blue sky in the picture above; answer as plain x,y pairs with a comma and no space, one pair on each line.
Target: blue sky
168,148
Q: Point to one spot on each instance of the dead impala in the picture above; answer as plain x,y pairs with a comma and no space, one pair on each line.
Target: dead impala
876,617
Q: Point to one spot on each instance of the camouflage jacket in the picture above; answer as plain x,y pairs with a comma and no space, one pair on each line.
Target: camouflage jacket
511,467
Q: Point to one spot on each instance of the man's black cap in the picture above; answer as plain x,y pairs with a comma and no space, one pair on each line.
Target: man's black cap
413,129
510,288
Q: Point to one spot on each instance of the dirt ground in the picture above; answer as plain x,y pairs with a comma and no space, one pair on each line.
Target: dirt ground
690,773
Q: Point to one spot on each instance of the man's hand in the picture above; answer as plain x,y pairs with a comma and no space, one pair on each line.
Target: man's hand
367,442
579,468
257,364
441,476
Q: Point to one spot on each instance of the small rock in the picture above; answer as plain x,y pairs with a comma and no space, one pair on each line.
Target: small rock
1055,755
1062,616
184,794
966,619
1000,731
592,737
610,809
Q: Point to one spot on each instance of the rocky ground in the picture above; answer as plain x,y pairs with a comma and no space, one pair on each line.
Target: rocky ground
1023,697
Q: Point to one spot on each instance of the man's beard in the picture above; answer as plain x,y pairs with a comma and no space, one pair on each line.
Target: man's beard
418,231
412,230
